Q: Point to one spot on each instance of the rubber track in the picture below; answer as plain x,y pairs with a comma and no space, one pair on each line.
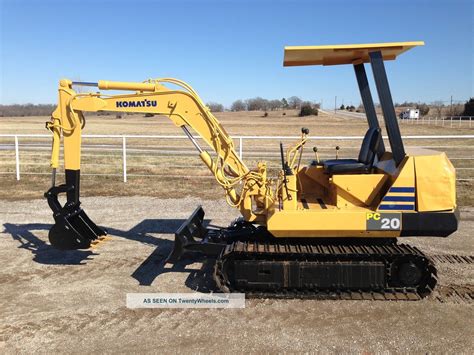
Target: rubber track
338,253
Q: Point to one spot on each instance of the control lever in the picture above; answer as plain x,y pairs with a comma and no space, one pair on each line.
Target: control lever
286,170
337,152
304,133
315,150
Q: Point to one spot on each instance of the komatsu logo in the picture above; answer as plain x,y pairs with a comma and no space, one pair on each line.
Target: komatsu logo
142,103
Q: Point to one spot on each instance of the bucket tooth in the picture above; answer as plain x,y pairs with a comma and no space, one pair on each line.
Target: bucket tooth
100,232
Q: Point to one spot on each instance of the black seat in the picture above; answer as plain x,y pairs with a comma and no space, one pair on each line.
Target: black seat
367,154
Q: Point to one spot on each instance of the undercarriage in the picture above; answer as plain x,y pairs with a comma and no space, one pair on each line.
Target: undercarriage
250,260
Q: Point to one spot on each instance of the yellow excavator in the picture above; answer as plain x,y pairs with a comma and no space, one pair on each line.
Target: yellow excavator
329,229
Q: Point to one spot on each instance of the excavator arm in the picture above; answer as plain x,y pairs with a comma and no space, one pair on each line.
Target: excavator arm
248,190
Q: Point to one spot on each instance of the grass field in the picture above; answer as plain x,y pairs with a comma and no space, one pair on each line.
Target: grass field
170,168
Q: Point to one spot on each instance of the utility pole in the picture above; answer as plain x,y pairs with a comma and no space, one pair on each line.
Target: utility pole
451,109
335,104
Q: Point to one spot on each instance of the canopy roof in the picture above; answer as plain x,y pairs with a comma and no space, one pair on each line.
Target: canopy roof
343,53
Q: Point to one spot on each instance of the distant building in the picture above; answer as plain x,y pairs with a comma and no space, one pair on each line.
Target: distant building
410,114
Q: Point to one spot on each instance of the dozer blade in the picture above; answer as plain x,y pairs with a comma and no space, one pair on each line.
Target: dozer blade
192,236
73,228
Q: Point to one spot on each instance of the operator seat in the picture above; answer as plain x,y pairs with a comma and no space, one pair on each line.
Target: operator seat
364,163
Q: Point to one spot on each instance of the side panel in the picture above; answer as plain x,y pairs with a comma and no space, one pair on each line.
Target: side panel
363,187
435,183
326,223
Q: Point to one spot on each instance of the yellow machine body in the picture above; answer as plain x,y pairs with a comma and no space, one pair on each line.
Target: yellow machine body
343,205
304,201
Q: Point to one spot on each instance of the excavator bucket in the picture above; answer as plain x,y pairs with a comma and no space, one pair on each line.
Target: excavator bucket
73,229
192,236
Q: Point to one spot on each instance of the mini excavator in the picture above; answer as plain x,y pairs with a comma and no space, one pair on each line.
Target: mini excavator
329,229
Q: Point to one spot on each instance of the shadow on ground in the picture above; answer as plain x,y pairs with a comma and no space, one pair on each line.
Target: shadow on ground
153,266
43,252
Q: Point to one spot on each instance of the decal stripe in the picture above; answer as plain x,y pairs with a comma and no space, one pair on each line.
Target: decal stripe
397,207
399,198
402,189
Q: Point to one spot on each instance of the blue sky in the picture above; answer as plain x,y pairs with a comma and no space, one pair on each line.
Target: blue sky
232,49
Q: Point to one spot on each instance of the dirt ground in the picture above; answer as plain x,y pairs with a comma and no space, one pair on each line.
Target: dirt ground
74,302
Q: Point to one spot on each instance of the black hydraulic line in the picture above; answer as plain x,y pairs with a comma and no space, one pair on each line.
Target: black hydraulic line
385,97
286,170
367,101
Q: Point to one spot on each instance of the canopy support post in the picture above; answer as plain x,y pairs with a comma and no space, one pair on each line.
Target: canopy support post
367,101
385,97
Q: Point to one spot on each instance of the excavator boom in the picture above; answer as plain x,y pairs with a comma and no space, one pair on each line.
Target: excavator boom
185,109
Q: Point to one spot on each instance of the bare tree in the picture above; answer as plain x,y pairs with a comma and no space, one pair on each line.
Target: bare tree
423,109
275,104
215,107
294,102
438,108
238,105
456,110
26,110
257,104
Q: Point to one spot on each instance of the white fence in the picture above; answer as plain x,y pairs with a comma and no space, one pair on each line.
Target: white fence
450,121
241,140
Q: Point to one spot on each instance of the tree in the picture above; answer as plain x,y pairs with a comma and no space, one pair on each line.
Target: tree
469,107
257,104
274,104
215,107
26,110
423,109
438,107
308,109
342,107
456,110
294,102
238,105
284,103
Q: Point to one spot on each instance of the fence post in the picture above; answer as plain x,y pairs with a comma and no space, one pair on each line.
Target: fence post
460,119
470,119
241,142
124,158
451,121
17,158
